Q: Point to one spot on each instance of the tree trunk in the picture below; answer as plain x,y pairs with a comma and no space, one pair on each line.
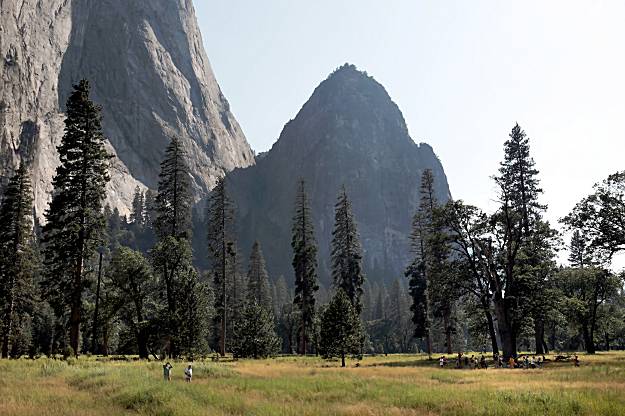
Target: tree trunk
506,332
607,341
303,347
94,339
8,318
448,330
588,340
142,342
343,359
491,331
105,340
428,343
539,336
76,306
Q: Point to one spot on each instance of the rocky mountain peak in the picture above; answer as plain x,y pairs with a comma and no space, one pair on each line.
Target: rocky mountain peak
348,133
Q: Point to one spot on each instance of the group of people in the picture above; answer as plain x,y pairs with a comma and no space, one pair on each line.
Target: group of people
463,361
188,372
525,362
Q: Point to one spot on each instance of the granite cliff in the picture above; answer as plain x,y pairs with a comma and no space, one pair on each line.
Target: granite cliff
148,71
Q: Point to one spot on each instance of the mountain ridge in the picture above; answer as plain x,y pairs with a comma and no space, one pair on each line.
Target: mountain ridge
349,132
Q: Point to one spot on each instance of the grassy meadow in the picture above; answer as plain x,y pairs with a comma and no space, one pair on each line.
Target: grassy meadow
383,385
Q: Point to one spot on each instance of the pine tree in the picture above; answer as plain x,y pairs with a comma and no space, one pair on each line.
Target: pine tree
281,295
254,334
416,271
16,256
150,208
347,252
519,230
137,216
74,218
304,265
222,255
172,256
580,252
258,279
341,331
195,305
173,201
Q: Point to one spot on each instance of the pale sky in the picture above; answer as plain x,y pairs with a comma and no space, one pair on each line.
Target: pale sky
462,72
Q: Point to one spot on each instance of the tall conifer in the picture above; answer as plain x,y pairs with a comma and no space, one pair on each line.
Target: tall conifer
304,265
16,257
74,218
347,252
258,279
222,256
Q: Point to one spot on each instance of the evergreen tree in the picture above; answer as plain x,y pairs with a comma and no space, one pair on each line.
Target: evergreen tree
580,252
172,255
258,280
416,271
222,255
254,335
347,252
304,265
151,213
341,332
74,218
137,216
281,295
16,254
195,305
173,201
516,225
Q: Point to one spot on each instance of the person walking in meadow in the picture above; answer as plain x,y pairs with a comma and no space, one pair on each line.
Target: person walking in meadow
188,374
576,360
167,372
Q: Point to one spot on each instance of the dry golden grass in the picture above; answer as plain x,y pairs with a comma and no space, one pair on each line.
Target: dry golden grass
391,385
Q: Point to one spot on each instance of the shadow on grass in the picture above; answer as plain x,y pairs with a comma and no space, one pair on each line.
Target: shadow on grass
406,363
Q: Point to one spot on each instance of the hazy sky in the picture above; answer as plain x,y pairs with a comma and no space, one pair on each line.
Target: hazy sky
462,72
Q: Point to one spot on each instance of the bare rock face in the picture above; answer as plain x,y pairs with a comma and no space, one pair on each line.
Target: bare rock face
149,72
349,133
